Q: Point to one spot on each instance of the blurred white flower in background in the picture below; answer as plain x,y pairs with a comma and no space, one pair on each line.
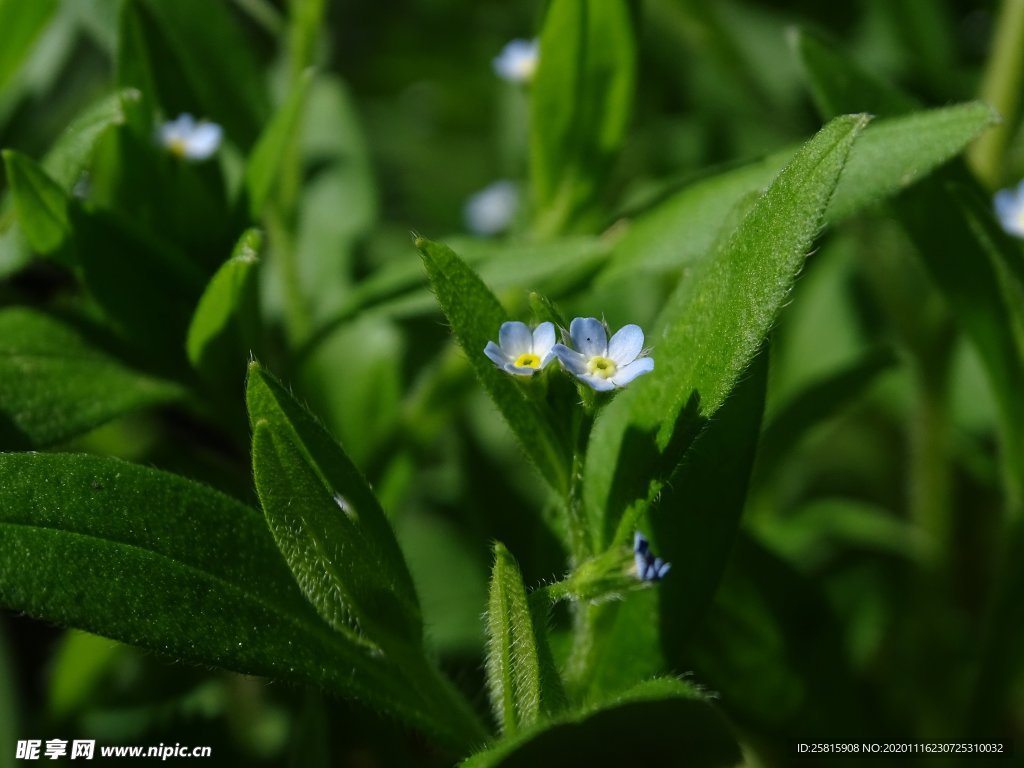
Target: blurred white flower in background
491,210
188,139
517,61
1010,209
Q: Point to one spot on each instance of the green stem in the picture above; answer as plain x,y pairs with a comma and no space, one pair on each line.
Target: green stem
580,542
930,488
296,314
1001,88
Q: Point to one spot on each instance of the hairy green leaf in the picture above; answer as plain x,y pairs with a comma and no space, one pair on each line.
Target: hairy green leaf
896,152
155,560
580,106
475,316
659,722
328,523
709,330
56,383
517,681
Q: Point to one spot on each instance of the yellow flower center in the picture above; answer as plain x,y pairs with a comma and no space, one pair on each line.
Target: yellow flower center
601,366
177,147
527,360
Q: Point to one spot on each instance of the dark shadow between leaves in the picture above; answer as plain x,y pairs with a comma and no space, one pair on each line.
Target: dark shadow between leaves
643,464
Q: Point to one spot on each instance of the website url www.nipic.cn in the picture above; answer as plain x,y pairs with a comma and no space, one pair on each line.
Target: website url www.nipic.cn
86,749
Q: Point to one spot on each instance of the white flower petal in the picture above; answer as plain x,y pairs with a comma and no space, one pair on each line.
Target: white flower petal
515,338
589,336
493,351
1006,204
574,362
626,344
204,141
543,339
596,382
520,370
627,373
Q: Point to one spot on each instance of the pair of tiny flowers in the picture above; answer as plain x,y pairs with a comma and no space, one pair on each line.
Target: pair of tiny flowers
601,363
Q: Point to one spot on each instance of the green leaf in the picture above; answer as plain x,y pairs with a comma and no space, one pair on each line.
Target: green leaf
686,226
698,514
342,552
979,290
41,204
838,86
808,407
519,686
897,152
73,150
328,523
22,23
710,329
270,151
226,306
78,668
155,560
475,316
56,383
771,646
146,288
660,722
580,106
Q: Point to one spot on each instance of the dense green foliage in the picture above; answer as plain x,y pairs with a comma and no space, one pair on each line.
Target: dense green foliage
248,425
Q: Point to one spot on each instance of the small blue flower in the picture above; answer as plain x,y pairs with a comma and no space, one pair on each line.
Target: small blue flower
517,61
1010,209
491,210
648,567
520,351
602,363
186,138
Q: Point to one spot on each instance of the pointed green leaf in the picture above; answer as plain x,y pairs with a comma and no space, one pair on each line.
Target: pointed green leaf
709,330
272,147
660,722
896,152
519,686
328,523
56,383
155,560
948,220
475,316
73,150
41,204
685,227
227,304
581,99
